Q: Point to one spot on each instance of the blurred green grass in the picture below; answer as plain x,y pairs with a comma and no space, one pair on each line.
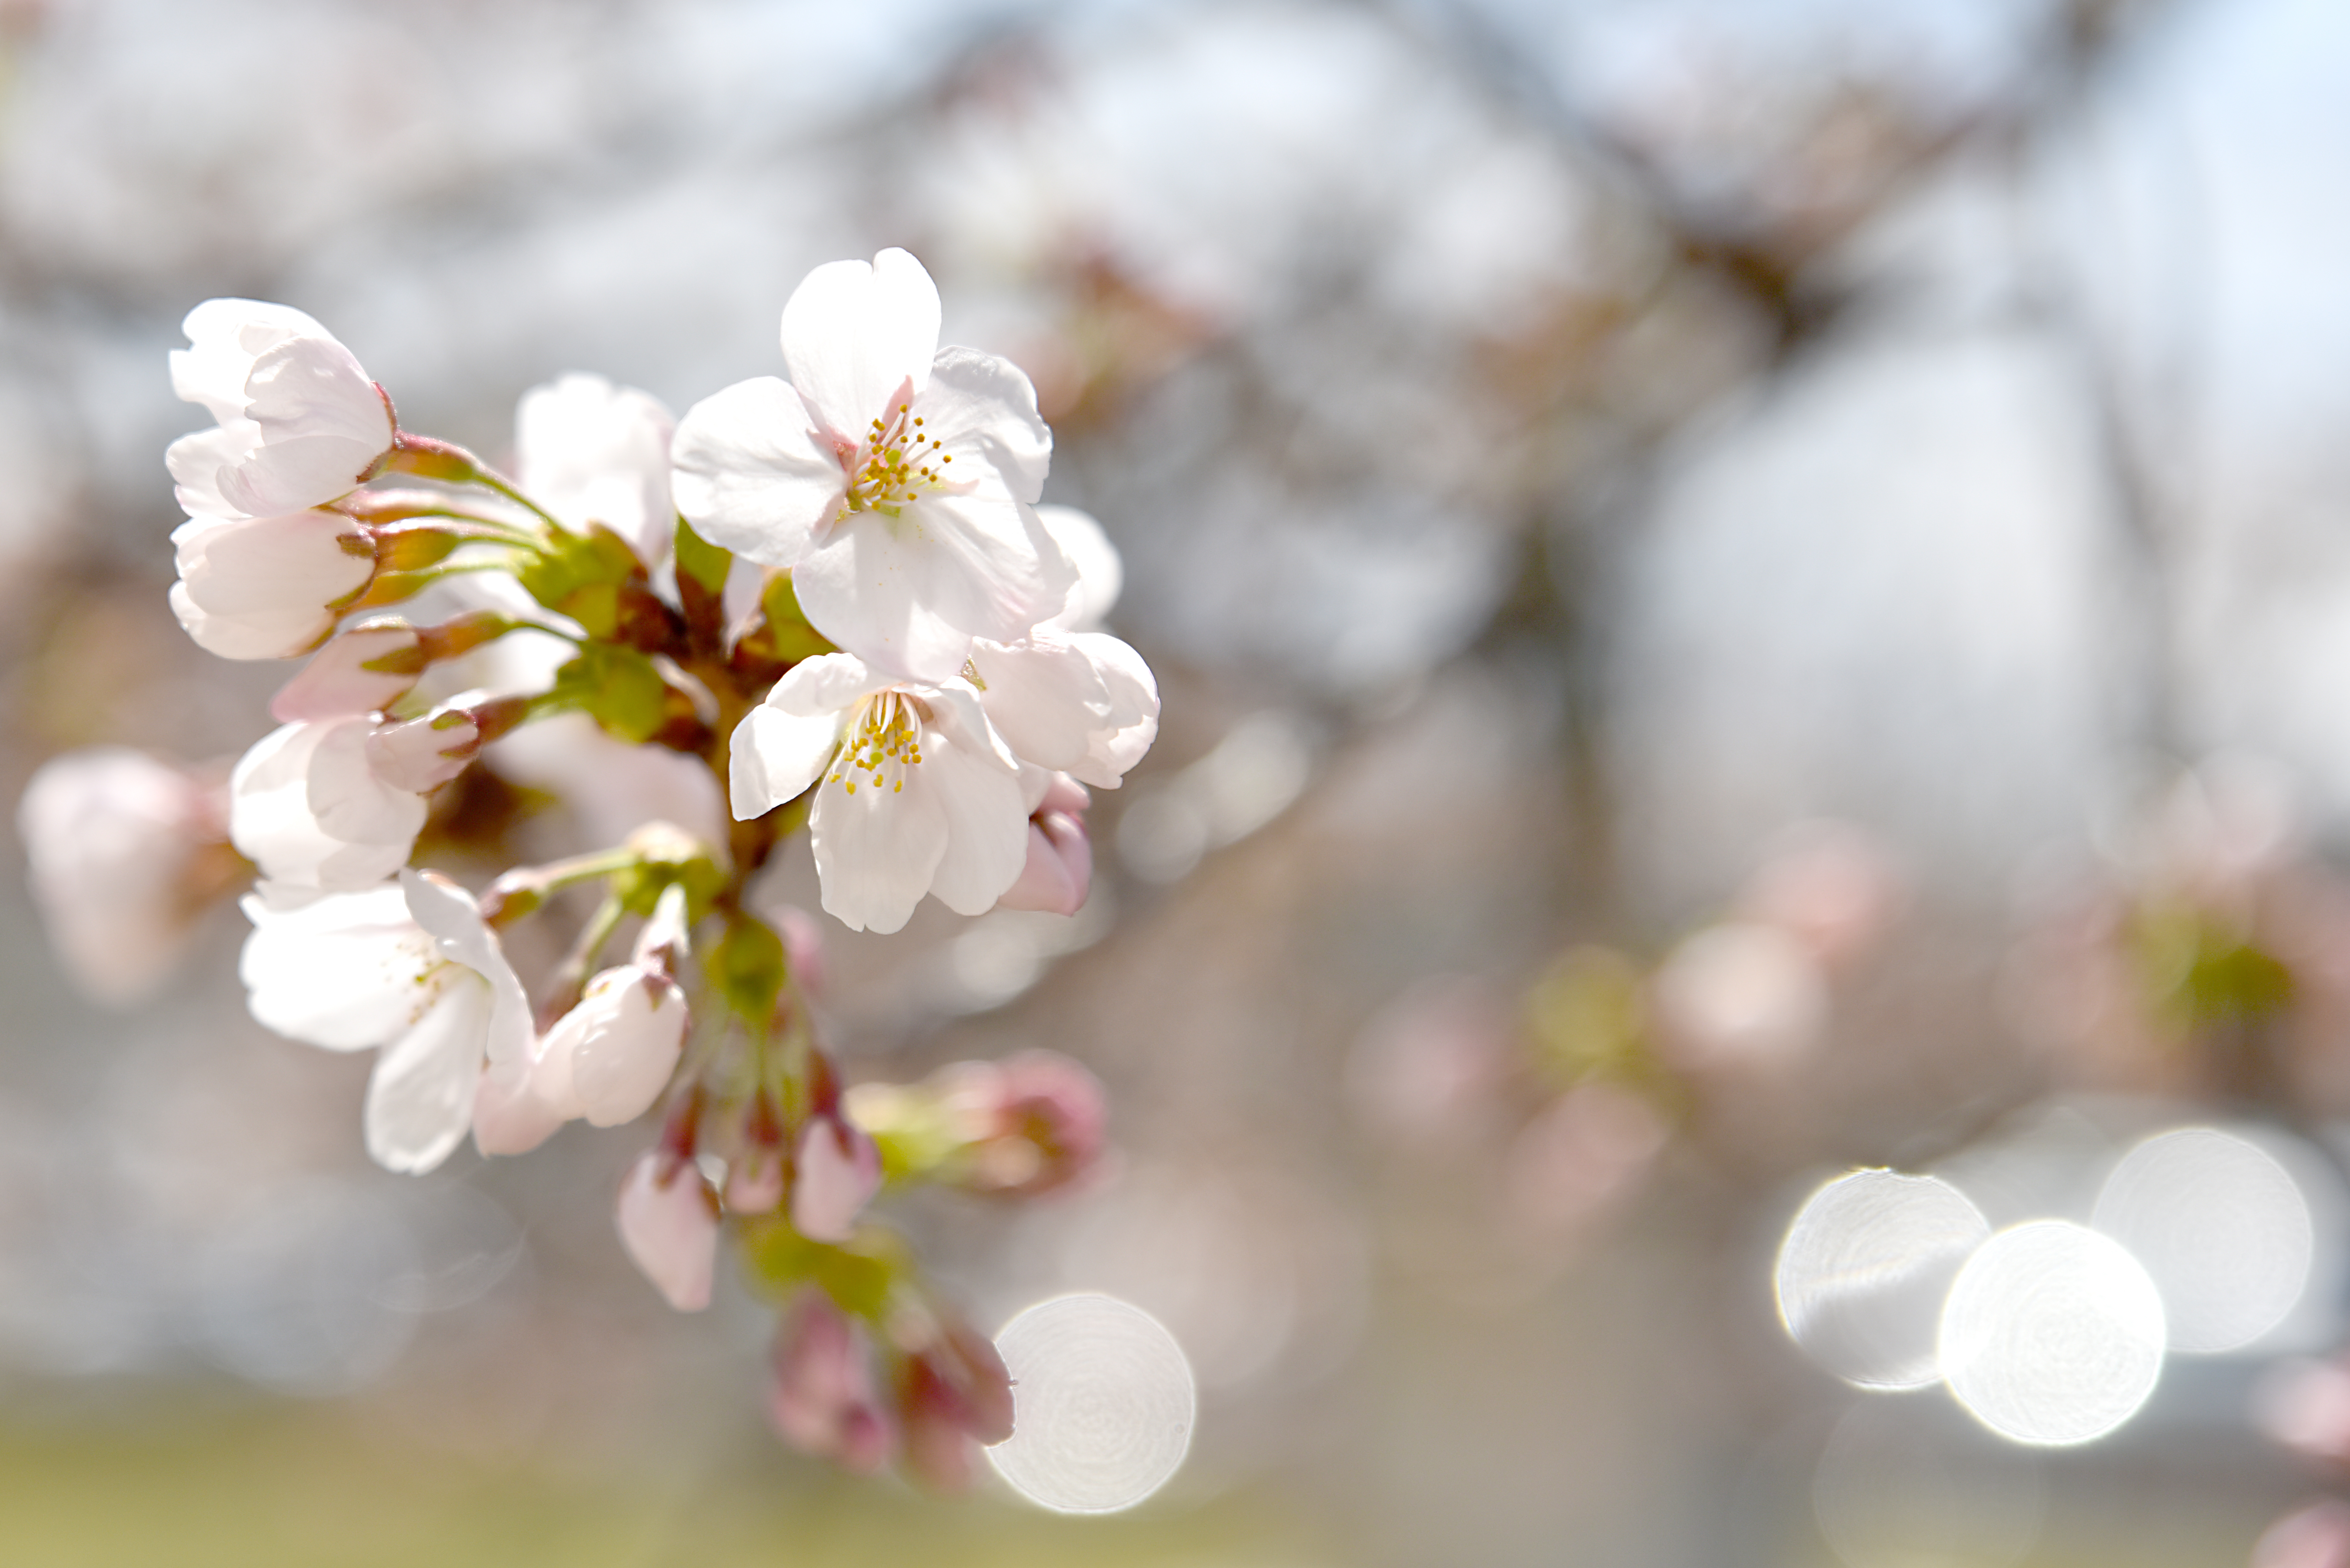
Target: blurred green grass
315,1487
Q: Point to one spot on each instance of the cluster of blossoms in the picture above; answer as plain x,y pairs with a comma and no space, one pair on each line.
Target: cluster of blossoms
835,593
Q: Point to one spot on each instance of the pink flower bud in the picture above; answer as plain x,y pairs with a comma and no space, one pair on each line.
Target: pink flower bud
667,1220
424,754
617,1047
952,1389
838,1171
366,668
1060,869
1037,1121
754,1184
822,1398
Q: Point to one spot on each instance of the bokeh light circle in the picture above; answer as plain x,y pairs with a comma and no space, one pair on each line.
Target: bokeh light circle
2220,1225
2052,1333
1863,1272
1102,1402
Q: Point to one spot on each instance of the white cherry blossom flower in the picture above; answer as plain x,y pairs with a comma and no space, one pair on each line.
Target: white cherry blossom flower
309,808
300,423
667,1220
411,966
114,838
268,588
896,478
591,451
1080,703
919,794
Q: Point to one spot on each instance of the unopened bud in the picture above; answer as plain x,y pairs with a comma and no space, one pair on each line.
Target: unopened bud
368,668
838,1172
667,1220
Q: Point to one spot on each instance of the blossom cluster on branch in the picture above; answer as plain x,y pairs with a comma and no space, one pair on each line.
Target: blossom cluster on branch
837,594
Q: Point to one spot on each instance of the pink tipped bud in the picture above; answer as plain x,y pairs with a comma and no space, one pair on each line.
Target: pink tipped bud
838,1171
953,1390
622,1042
822,1398
754,1184
424,754
366,668
667,1220
1037,1121
1060,869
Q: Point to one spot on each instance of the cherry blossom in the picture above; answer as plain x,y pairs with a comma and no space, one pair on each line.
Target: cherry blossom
307,806
896,478
919,794
300,423
667,1220
608,1058
591,451
411,966
116,841
268,587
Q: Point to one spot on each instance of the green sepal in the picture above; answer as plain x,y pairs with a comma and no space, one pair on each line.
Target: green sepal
701,560
615,686
746,966
860,1274
579,575
784,635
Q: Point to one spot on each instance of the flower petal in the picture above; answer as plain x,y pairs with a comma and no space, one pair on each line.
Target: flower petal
263,587
224,338
454,920
199,459
987,826
419,1102
1101,574
751,474
983,408
776,755
1044,697
908,593
857,334
271,823
342,972
323,424
591,451
875,851
825,685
